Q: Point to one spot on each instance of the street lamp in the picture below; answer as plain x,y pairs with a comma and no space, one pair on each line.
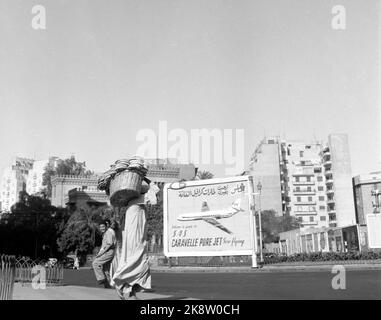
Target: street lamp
259,188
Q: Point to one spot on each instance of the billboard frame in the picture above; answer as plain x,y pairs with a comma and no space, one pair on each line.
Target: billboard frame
183,184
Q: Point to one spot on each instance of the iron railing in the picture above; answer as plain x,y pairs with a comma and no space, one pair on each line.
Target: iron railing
27,269
7,276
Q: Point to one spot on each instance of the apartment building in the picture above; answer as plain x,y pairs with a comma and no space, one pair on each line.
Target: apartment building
265,167
308,180
304,181
13,181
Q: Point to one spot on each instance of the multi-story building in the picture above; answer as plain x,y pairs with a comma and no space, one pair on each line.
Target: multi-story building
308,180
14,181
265,167
364,187
306,192
35,177
338,174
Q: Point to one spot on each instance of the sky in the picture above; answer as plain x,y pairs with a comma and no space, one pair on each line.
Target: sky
102,71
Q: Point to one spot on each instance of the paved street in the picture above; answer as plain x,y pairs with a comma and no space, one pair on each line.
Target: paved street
360,284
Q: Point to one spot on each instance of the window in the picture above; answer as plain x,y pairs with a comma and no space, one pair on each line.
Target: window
297,189
310,199
321,198
321,207
308,179
308,188
323,218
320,188
311,219
298,199
301,153
319,178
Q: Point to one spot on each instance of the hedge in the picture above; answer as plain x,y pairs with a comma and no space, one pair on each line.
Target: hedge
321,256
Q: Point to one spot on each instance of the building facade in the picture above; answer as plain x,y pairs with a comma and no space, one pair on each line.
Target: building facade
159,172
13,181
265,167
338,173
35,177
345,239
304,182
308,180
363,186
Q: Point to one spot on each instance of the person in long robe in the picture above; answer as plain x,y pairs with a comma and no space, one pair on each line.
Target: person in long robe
130,269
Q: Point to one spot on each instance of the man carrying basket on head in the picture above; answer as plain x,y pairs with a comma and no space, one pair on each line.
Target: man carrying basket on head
130,270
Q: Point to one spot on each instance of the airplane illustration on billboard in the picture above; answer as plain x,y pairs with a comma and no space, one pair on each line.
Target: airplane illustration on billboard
212,216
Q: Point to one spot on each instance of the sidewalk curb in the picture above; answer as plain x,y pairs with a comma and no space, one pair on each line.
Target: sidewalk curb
262,270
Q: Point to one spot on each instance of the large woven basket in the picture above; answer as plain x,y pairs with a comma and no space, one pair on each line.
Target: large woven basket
124,187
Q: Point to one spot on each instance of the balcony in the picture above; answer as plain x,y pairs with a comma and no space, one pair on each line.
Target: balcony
330,201
328,163
302,174
309,223
330,191
328,172
329,181
305,213
326,154
305,203
303,183
296,191
332,217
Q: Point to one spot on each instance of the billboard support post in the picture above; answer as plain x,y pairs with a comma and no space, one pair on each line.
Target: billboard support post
253,223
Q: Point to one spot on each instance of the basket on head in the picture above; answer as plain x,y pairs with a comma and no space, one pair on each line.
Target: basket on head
125,186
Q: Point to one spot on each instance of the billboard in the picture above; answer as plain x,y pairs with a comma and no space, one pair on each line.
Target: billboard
374,230
208,218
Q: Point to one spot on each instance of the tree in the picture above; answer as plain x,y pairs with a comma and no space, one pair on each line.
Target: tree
272,225
32,227
203,175
81,230
155,220
64,167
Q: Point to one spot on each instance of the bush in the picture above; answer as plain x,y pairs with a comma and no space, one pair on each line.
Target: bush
271,258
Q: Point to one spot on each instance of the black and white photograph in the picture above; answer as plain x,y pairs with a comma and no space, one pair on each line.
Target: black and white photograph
199,153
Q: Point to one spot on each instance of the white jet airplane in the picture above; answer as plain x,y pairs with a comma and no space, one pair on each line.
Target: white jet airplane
212,216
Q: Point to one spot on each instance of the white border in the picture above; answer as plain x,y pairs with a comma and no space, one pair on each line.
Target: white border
246,252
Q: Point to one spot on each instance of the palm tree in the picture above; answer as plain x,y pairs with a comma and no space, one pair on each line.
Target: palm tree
85,219
202,175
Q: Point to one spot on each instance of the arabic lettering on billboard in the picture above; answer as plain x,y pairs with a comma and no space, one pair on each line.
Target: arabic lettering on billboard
207,218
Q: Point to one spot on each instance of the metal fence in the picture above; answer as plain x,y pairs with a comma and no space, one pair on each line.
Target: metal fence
7,276
27,269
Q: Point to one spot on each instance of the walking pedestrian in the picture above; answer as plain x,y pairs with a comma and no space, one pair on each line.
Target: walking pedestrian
102,261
